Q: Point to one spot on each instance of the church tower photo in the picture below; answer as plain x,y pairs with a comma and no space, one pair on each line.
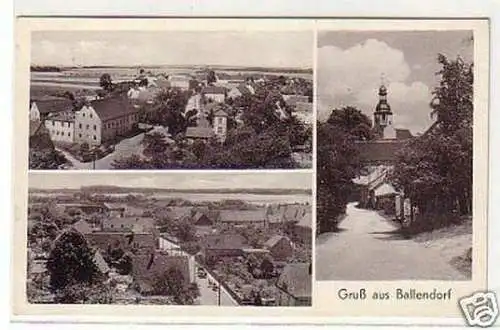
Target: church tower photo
382,117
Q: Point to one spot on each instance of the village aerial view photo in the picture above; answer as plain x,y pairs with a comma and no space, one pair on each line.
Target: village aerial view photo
170,100
394,155
169,239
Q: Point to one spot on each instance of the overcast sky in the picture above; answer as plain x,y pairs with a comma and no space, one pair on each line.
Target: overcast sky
184,180
252,48
351,65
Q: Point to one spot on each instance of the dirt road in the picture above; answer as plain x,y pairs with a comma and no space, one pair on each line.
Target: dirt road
367,248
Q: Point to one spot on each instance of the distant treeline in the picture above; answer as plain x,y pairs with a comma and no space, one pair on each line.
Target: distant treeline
126,190
44,68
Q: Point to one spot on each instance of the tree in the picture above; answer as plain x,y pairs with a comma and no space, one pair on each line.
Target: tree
105,82
337,165
84,294
435,169
173,283
154,144
352,121
211,77
71,261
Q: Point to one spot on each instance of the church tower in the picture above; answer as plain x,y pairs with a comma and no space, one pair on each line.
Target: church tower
382,123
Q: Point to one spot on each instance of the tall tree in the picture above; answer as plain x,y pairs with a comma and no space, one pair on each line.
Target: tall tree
435,169
71,261
211,77
105,82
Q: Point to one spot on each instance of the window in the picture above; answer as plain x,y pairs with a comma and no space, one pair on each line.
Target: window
80,135
90,115
69,134
88,126
95,127
53,123
80,125
57,133
83,114
95,138
112,225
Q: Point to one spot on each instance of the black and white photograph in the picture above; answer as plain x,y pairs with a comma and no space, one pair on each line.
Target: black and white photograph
170,239
171,99
394,155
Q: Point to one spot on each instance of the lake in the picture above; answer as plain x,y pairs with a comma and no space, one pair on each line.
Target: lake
212,197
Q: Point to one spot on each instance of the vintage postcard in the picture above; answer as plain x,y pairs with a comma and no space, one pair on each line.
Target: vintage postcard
251,170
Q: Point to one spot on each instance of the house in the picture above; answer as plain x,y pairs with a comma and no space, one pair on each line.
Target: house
128,241
83,227
194,103
214,93
240,90
147,268
61,126
223,245
87,208
105,120
178,212
293,99
199,133
201,219
39,136
114,210
294,285
302,230
220,124
41,108
179,81
136,224
243,217
280,247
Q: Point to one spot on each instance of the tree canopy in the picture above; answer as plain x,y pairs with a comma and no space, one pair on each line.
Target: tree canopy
435,169
71,261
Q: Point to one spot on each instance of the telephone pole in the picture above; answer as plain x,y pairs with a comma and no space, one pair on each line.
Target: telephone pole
218,293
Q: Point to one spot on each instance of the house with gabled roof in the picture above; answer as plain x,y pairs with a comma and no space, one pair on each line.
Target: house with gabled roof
295,285
280,247
147,268
105,120
223,245
41,108
61,126
83,226
256,217
214,93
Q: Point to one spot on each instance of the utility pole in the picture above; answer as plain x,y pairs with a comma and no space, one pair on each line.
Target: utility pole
218,295
93,158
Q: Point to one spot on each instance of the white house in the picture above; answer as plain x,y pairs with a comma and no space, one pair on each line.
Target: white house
179,81
214,93
61,127
220,124
104,120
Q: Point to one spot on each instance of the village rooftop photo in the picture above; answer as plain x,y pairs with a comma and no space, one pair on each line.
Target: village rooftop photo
169,239
170,100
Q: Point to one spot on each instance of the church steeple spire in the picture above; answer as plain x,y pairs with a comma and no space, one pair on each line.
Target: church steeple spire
383,114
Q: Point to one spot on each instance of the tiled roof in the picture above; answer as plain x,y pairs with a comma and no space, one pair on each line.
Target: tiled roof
63,116
178,212
379,151
82,226
113,107
274,240
147,267
403,134
199,132
303,107
53,105
225,242
213,90
129,223
306,220
385,189
34,127
220,113
244,216
127,240
296,280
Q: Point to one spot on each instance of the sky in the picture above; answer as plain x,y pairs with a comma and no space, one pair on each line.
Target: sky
178,180
130,48
353,64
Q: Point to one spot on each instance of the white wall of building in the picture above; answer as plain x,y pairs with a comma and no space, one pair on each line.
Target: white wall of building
61,131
